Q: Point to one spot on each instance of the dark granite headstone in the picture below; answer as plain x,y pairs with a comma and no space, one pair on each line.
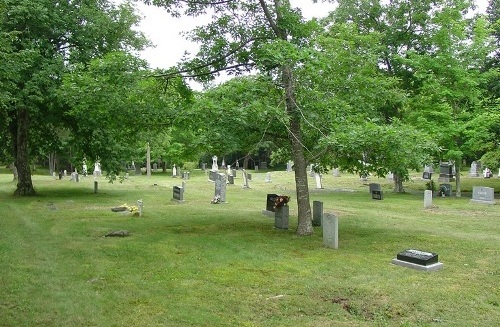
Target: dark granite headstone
446,172
446,188
377,195
418,257
426,175
230,179
270,202
317,213
178,193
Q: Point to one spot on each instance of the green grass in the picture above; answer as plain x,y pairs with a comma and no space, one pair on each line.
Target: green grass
197,264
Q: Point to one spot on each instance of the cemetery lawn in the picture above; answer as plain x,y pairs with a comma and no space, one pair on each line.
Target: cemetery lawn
201,264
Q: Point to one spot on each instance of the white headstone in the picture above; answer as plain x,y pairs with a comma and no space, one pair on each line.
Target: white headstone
215,166
268,177
245,179
174,171
139,206
317,177
427,199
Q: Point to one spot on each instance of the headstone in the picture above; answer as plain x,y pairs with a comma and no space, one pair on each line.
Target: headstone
96,186
256,168
230,179
363,177
245,179
317,213
446,172
390,176
487,173
268,177
317,178
215,166
426,175
97,169
220,187
174,171
65,173
77,177
84,167
481,194
427,199
212,176
281,215
140,206
178,193
263,165
249,176
289,165
127,175
203,166
428,169
237,165
223,164
330,231
311,170
229,171
445,189
155,166
54,175
270,201
473,172
376,191
60,175
138,170
184,186
185,175
233,173
416,259
336,172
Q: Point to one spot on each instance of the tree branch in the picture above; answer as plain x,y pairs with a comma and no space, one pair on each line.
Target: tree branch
201,74
267,13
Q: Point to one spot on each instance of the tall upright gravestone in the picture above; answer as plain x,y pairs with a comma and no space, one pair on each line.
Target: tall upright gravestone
220,187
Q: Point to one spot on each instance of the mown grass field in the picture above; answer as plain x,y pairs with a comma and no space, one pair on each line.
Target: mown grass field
200,264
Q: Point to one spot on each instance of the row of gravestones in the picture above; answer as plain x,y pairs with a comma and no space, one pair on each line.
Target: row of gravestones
328,222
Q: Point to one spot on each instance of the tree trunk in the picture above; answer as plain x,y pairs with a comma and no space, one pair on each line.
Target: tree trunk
304,226
398,184
246,159
457,179
148,160
52,163
24,182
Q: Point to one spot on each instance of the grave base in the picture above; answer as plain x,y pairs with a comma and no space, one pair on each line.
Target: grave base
268,213
433,267
483,202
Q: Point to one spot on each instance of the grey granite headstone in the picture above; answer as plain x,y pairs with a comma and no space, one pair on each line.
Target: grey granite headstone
220,187
376,191
281,217
482,194
330,231
317,213
446,172
446,188
474,171
230,179
268,178
336,172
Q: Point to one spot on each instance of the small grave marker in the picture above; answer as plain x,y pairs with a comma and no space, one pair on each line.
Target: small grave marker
178,193
281,215
317,213
419,260
376,191
427,199
330,231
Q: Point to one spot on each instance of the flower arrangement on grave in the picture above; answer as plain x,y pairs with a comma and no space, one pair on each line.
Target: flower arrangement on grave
134,210
215,200
442,191
281,200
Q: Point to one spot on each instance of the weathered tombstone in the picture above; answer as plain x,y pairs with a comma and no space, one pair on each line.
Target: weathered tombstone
245,179
445,189
155,166
220,187
428,169
60,175
416,259
330,231
65,173
390,176
481,194
178,193
446,172
281,215
256,168
174,171
376,191
311,170
363,177
96,186
268,177
317,213
317,178
263,165
426,175
77,177
203,166
140,205
185,175
127,175
336,172
215,166
289,165
97,169
223,164
237,165
230,179
184,186
427,199
473,172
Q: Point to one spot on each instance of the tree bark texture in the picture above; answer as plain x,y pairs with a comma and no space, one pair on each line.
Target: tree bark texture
304,226
24,182
398,184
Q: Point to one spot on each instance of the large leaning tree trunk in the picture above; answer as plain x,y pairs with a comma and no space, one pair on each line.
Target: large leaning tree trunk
304,226
24,183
